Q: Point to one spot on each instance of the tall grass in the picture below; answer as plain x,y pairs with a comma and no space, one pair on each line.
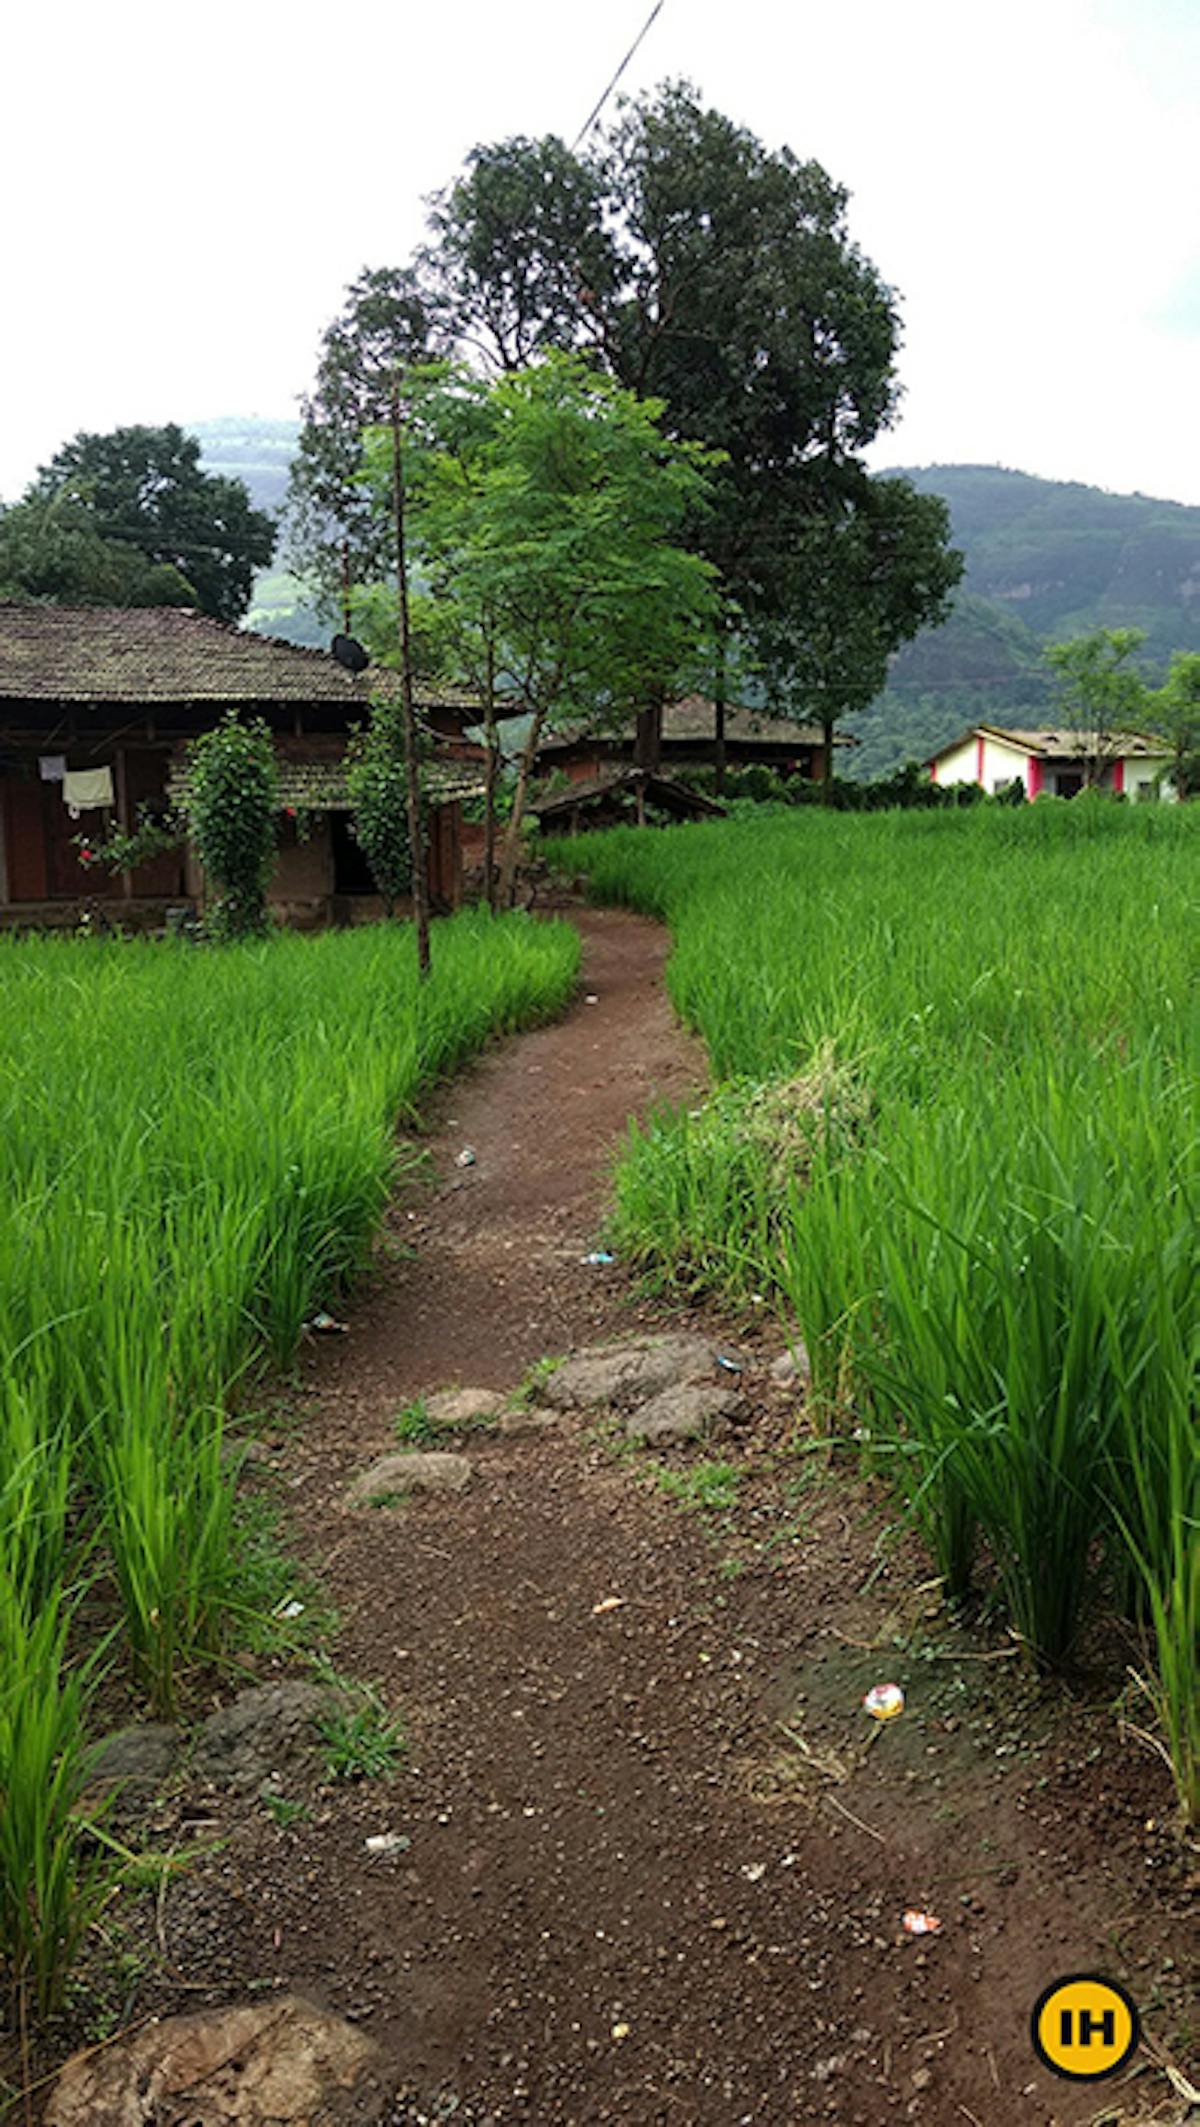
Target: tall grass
194,1150
990,1248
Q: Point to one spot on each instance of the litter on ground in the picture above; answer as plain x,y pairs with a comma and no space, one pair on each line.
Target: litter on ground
884,1701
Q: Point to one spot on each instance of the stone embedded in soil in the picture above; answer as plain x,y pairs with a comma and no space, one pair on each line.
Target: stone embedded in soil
693,1411
454,1407
608,1375
283,2063
138,1758
247,1743
395,1476
792,1369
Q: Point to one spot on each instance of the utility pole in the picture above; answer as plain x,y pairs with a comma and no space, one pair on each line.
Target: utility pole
416,837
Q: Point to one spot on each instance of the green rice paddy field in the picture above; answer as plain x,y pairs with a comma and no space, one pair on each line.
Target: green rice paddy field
195,1147
954,1138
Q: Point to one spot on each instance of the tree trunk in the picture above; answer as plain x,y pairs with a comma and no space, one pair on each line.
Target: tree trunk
489,796
647,751
416,836
719,719
512,837
827,723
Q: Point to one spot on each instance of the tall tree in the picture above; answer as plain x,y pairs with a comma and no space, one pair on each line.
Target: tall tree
520,255
864,578
546,509
699,266
692,263
144,488
1101,694
336,538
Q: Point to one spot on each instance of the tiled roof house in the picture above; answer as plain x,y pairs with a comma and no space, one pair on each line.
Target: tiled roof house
97,706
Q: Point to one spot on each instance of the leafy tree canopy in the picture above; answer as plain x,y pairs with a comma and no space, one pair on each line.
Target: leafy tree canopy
547,509
1175,711
52,551
869,577
143,489
685,260
1101,694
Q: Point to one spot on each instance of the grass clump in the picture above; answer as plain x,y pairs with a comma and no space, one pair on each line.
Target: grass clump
414,1427
364,1744
707,1488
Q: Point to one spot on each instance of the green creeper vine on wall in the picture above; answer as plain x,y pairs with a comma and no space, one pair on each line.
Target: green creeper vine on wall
233,798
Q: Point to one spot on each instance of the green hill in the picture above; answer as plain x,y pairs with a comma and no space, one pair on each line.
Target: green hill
1045,559
1065,557
259,452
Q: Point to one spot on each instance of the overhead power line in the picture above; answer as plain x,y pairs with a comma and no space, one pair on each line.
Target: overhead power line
647,25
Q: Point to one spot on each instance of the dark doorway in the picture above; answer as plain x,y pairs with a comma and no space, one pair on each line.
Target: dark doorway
351,872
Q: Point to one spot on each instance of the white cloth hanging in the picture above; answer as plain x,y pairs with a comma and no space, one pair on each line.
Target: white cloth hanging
84,789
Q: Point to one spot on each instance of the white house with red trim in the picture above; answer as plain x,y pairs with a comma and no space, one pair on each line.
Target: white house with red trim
1051,763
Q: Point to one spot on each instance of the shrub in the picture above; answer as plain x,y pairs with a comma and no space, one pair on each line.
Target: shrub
379,793
232,801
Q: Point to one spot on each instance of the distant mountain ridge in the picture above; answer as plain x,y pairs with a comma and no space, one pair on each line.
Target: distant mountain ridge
1065,557
1045,559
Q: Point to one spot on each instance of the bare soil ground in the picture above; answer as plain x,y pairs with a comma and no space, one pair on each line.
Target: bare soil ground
631,1894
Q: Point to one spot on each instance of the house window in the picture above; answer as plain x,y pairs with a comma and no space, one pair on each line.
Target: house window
1068,782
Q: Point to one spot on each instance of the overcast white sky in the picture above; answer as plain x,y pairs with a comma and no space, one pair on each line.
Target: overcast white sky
188,192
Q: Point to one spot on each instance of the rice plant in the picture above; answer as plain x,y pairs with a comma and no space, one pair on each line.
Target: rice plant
194,1151
992,1256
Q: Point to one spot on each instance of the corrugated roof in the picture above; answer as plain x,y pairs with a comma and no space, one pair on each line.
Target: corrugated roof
660,789
159,654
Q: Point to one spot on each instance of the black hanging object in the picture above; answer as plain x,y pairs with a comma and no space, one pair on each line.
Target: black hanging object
349,653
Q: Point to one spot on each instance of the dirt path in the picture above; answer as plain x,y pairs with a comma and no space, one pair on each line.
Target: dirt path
595,1920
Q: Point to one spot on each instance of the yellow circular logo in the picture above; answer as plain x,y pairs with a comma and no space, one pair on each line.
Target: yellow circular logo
1084,2027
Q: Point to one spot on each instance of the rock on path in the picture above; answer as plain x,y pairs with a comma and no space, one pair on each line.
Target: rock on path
613,1376
399,1474
283,2063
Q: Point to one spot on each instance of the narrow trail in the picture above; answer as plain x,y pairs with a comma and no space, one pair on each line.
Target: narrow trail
594,1920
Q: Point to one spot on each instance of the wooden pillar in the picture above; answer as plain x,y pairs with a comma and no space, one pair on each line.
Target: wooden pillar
124,822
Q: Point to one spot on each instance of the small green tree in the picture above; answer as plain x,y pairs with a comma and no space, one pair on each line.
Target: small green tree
379,795
1101,695
546,509
233,797
1175,711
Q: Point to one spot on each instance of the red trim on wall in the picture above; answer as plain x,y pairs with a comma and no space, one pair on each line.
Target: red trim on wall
933,768
979,758
1118,776
1033,776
